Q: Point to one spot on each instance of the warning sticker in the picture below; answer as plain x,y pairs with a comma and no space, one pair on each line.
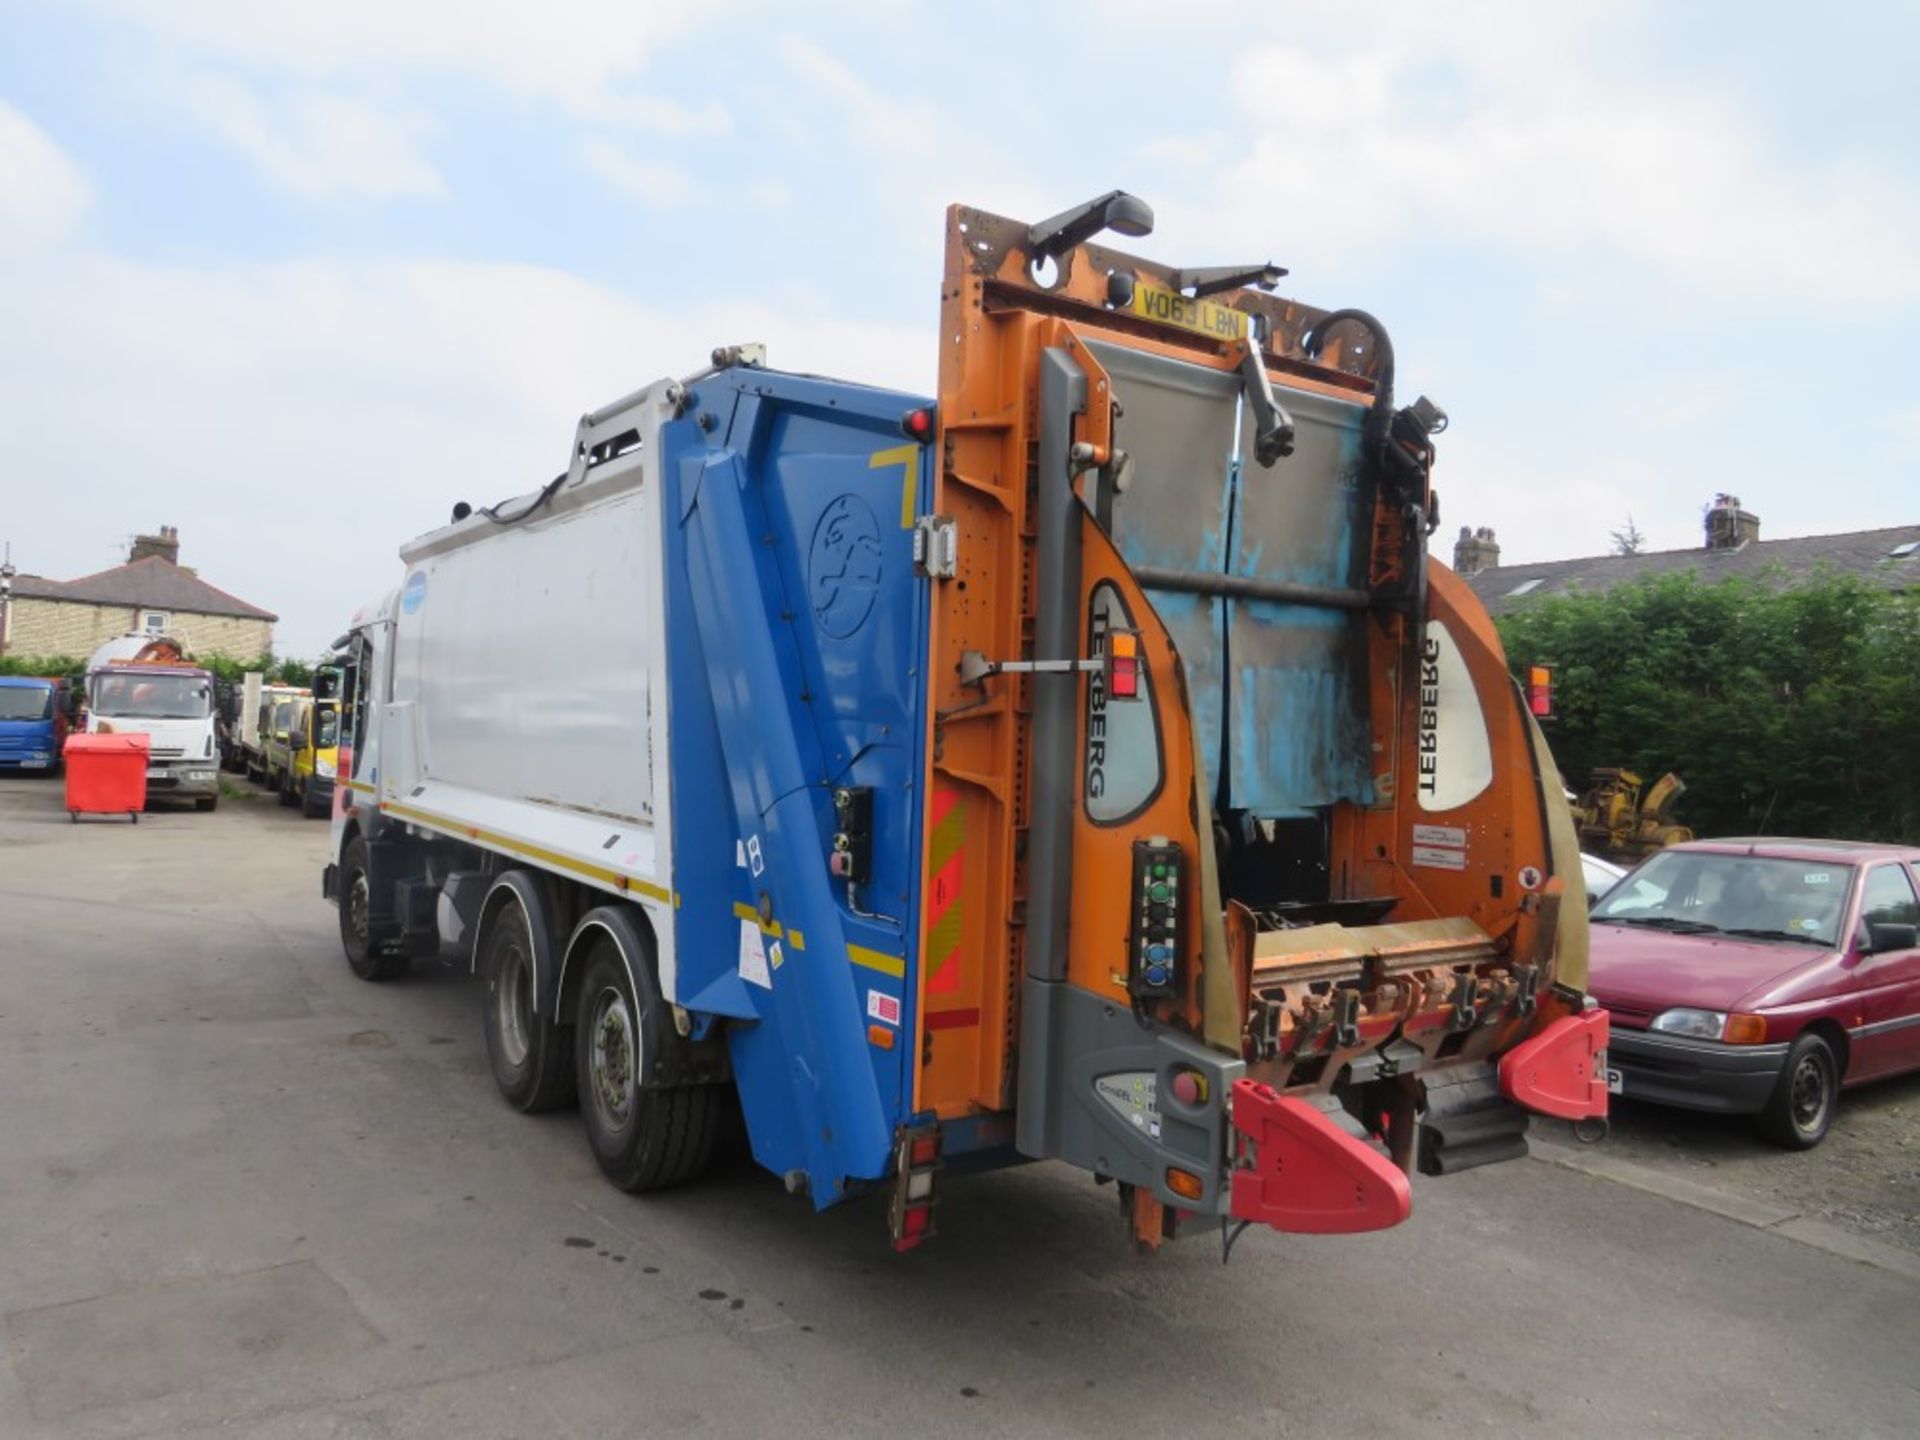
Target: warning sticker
1434,858
1452,835
884,1008
1530,877
753,956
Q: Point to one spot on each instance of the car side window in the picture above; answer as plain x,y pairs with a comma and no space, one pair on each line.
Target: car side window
1887,898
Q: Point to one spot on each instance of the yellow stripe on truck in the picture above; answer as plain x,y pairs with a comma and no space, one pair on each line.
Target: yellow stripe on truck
619,880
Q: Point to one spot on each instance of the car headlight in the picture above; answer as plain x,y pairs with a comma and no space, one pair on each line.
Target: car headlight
324,769
1695,1024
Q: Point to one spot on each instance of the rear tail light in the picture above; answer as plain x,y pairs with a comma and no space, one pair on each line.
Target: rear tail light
1185,1184
1540,691
1123,665
916,1164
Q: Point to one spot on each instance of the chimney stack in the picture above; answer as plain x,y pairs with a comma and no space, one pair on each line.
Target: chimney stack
1475,550
166,545
1728,526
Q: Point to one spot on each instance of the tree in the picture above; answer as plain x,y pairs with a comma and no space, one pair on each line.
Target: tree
1628,541
1788,710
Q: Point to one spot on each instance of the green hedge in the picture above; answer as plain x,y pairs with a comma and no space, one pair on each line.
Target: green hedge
284,672
1788,710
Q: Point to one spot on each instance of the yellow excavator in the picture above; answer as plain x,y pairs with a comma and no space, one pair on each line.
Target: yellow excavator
1619,823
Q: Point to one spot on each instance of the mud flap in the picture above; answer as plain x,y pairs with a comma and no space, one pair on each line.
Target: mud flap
1562,1071
1298,1171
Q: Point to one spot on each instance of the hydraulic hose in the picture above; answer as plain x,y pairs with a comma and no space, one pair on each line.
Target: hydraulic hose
1380,417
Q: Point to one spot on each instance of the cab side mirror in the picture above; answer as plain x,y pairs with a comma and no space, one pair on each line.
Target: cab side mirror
1883,936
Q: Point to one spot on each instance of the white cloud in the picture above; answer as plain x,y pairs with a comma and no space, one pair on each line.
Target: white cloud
578,54
653,183
320,146
658,184
1503,127
298,421
880,120
42,192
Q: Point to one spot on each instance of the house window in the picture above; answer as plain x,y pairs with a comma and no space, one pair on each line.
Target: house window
1900,552
153,622
1526,587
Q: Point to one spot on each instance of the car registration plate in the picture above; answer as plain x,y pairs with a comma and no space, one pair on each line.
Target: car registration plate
1170,307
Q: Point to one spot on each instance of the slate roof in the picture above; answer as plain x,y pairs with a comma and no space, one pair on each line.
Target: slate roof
151,583
1866,553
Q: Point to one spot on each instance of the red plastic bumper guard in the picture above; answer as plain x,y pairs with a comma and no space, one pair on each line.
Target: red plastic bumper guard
1562,1071
1298,1171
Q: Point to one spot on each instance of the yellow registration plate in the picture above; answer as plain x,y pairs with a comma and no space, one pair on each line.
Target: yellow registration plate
1170,307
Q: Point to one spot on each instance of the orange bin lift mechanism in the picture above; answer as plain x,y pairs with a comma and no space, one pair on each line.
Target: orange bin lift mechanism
1476,903
994,329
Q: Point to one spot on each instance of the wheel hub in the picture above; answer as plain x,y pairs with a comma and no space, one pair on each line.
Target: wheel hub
357,907
612,1058
513,1004
1809,1092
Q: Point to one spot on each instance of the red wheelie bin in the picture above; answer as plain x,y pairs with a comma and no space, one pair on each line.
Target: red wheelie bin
106,775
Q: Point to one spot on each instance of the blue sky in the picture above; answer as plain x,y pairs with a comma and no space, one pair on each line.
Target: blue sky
294,282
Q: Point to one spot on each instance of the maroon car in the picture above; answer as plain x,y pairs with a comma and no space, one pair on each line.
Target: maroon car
1759,977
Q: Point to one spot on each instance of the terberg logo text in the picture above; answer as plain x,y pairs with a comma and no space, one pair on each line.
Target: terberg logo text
1429,713
1098,626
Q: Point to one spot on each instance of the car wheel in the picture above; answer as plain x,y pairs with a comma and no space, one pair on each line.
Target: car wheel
531,1057
644,1137
371,957
206,802
1800,1111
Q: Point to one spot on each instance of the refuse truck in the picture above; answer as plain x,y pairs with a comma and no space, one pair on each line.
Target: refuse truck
146,685
1086,762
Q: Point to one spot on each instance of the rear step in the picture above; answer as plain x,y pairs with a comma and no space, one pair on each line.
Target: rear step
1470,1123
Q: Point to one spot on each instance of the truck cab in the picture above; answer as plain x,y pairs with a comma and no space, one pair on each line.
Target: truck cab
171,704
33,722
308,752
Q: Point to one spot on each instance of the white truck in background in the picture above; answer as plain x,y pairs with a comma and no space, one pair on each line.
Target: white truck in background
144,685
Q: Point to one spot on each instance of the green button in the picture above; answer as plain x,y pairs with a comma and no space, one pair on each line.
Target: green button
1159,871
1159,893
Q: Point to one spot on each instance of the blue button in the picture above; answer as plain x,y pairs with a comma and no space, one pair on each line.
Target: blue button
1156,974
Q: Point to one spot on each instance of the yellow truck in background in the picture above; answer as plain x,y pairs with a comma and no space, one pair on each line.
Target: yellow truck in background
299,739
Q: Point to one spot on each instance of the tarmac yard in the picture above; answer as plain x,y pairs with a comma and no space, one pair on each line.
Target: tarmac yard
243,1193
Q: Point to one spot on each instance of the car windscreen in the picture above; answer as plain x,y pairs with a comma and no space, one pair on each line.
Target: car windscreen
1748,896
152,697
26,702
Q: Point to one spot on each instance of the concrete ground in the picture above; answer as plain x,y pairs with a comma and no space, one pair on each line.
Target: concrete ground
243,1193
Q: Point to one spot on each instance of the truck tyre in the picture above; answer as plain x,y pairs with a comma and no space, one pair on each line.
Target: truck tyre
289,795
1800,1111
644,1138
531,1057
311,808
370,959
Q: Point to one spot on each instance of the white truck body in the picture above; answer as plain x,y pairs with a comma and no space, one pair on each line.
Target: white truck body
247,735
503,720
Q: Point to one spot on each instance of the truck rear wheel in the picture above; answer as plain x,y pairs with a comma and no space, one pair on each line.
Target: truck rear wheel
370,957
531,1057
645,1138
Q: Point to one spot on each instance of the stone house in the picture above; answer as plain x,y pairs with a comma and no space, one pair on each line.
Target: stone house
153,593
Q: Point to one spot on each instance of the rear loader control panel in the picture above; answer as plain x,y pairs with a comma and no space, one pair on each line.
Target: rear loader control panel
1159,883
